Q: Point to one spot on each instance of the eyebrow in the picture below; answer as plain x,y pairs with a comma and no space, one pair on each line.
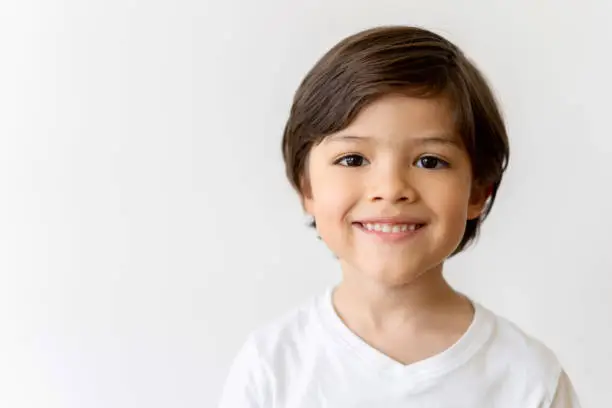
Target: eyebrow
441,139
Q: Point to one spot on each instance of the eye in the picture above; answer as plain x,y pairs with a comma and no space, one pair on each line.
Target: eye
431,162
352,160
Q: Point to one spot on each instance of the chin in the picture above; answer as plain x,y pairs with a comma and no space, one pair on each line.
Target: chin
392,274
390,270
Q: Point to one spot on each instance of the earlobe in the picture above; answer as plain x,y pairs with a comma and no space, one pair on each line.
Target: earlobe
478,200
474,212
307,204
306,196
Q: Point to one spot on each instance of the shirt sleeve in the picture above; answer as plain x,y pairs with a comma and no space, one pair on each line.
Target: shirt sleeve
565,396
243,386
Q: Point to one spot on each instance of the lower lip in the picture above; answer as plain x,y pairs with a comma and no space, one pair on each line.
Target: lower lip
390,236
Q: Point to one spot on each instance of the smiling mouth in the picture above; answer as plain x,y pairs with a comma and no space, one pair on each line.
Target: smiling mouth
389,228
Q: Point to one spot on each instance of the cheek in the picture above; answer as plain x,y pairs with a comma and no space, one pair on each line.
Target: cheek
448,205
332,193
449,200
331,202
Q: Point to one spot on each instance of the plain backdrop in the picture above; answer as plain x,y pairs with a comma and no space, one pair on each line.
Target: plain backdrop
146,225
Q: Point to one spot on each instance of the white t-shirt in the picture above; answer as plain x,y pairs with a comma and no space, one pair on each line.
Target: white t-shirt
311,359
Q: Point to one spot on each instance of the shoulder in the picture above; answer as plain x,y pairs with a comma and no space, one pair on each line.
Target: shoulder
523,357
523,347
276,346
291,332
268,353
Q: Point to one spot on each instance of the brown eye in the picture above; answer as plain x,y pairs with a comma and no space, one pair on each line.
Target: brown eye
352,160
431,162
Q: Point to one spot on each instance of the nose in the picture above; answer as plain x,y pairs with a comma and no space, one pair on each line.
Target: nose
391,182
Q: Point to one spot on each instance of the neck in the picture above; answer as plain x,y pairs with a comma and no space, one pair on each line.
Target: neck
381,305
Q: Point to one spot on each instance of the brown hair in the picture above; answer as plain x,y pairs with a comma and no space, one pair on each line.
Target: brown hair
411,60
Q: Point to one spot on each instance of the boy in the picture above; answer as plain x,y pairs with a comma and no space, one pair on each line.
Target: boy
396,147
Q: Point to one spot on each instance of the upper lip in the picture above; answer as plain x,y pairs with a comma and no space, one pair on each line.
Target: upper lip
391,220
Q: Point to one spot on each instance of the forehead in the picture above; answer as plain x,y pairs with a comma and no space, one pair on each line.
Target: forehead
398,118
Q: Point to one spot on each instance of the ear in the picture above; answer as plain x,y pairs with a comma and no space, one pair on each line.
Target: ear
306,196
307,204
478,199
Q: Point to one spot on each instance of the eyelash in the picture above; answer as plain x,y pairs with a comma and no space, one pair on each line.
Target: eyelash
443,162
349,156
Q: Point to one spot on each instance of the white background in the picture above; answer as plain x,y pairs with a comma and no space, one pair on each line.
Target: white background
146,225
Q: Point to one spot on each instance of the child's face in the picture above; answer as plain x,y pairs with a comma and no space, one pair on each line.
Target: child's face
400,165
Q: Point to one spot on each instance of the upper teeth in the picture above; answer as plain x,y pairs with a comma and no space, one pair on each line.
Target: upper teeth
390,227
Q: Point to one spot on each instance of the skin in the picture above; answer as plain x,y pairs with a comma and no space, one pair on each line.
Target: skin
401,157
